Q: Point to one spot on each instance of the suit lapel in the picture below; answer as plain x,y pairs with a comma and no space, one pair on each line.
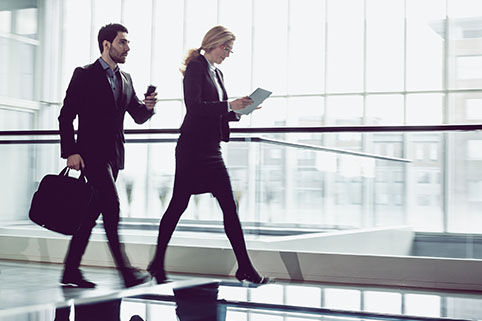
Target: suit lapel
211,77
125,90
104,85
221,82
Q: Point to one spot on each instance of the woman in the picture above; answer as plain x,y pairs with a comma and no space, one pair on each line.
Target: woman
199,164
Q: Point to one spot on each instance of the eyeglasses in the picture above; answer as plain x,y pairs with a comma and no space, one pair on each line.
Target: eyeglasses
227,49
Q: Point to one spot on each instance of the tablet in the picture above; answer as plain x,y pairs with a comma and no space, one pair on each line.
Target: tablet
258,96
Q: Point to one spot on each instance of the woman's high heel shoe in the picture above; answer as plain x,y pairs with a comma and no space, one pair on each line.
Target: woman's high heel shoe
158,274
252,277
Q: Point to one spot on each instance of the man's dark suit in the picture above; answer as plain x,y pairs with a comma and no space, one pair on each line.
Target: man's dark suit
100,142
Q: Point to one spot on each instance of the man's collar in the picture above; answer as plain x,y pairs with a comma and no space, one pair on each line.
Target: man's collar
106,66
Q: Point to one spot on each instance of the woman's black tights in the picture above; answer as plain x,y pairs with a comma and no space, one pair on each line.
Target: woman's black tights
232,226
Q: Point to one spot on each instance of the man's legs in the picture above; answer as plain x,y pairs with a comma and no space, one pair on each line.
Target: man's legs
78,245
106,200
103,178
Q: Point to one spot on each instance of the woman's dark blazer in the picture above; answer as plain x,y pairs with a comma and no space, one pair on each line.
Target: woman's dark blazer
206,120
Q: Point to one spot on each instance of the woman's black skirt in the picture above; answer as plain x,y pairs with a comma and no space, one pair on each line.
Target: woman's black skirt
200,169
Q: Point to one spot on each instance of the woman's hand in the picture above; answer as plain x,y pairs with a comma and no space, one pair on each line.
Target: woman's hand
240,103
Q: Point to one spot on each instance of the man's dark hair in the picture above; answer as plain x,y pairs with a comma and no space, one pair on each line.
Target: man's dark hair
109,32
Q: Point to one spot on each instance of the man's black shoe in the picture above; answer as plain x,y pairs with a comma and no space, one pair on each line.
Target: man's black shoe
76,279
133,277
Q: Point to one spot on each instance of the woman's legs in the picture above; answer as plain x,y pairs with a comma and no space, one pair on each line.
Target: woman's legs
232,225
177,206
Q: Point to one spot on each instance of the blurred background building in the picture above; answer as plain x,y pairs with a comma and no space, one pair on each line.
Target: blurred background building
338,63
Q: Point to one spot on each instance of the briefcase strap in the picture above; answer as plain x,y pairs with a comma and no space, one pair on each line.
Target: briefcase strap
66,171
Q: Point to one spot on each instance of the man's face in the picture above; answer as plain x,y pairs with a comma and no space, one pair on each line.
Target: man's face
119,48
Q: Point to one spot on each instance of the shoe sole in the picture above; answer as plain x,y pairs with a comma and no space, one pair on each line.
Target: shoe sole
73,285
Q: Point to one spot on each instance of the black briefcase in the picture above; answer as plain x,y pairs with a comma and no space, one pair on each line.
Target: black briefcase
61,202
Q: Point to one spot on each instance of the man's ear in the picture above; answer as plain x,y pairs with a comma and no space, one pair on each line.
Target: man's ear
106,45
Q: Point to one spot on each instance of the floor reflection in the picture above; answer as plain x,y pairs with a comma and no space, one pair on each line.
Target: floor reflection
30,292
199,303
99,311
108,310
194,302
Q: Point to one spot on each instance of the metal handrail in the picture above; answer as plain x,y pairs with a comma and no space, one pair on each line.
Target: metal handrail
236,139
256,130
330,149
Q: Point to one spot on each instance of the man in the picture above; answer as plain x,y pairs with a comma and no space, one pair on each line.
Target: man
99,94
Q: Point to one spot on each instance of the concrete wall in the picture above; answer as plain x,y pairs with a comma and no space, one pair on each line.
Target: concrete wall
283,260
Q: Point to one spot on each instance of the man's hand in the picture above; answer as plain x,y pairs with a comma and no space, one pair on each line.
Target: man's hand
151,100
75,161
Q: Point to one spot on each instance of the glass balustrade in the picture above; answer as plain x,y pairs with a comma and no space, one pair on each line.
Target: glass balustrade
424,185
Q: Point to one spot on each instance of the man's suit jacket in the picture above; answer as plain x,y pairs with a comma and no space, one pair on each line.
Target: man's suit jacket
100,136
206,120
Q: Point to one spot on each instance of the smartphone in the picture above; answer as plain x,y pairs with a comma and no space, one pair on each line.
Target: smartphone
150,90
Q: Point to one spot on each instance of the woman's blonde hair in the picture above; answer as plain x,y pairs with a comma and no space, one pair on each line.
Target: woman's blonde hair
214,38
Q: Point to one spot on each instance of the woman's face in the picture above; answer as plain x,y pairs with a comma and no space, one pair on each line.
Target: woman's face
222,52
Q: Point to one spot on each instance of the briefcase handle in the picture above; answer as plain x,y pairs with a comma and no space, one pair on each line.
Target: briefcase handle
66,171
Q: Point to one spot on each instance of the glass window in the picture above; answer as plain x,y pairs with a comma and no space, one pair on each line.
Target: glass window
342,299
305,111
422,305
425,29
382,302
423,178
433,152
5,21
384,45
237,16
303,296
381,198
475,190
424,109
419,151
345,46
462,307
344,110
273,113
26,22
168,31
469,67
465,38
140,36
306,51
474,149
269,45
196,24
384,110
465,108
271,293
111,12
76,41
423,200
473,109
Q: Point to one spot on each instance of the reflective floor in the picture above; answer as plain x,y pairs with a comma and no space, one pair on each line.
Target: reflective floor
30,291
